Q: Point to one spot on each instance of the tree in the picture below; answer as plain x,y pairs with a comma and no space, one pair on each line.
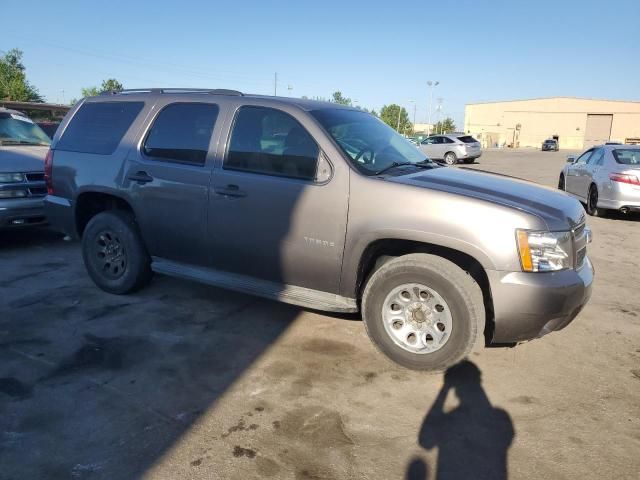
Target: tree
389,115
445,126
339,99
109,85
13,81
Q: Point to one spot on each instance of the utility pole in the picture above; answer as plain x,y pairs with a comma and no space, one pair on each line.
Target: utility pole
399,111
275,84
439,110
432,85
414,115
289,88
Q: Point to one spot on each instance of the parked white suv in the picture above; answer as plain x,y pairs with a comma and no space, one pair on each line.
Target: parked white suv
451,147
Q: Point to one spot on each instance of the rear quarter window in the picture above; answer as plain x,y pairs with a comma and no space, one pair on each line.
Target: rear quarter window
98,128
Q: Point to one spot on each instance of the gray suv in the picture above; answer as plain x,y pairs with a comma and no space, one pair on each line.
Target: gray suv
318,205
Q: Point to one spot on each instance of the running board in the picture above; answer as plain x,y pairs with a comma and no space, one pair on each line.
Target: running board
304,297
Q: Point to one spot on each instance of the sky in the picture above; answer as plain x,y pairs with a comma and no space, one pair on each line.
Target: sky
375,52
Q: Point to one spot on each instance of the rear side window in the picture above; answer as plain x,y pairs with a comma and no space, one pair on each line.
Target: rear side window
271,142
467,139
181,133
99,127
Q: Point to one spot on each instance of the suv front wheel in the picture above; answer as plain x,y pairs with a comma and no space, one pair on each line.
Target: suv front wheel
114,254
423,311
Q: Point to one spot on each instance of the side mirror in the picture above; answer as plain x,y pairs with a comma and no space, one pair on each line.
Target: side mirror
571,158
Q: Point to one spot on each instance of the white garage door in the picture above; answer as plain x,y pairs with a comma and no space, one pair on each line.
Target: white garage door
598,130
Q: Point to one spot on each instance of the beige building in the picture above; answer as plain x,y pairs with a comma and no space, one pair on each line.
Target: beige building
576,123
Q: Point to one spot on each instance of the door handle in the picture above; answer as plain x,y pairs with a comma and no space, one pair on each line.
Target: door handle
230,191
141,177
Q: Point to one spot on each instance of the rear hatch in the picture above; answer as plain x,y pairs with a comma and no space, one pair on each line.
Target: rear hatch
470,143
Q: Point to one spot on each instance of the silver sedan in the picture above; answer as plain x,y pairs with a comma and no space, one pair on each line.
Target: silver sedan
606,177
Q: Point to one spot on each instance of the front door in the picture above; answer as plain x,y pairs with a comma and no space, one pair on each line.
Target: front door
168,179
575,172
276,211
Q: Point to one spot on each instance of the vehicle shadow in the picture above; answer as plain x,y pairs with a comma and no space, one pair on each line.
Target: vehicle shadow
473,439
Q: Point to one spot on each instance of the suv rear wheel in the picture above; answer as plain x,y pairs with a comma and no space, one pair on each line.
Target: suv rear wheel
450,158
113,252
423,311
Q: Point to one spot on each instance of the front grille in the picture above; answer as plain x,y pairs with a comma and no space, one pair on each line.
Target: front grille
35,177
578,231
582,253
38,191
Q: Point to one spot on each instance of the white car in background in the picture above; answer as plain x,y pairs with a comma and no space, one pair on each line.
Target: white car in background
451,148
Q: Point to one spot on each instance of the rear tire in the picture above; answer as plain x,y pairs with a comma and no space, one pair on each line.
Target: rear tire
114,255
450,158
469,160
452,315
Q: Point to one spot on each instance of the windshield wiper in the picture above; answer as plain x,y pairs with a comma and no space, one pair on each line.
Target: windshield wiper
21,142
422,164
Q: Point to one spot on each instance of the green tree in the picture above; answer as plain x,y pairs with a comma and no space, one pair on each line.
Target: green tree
13,80
389,115
445,126
339,99
109,85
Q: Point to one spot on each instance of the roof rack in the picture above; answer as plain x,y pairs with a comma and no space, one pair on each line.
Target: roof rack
210,91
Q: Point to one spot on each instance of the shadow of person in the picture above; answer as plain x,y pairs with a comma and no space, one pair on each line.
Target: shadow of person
472,439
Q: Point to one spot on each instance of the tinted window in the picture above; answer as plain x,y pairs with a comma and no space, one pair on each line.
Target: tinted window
627,156
272,142
181,133
467,139
99,127
446,140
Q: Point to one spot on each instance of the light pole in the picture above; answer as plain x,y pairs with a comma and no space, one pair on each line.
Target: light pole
432,85
414,115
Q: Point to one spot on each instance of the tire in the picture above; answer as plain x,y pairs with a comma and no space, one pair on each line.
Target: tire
469,160
592,203
455,292
561,184
114,255
450,158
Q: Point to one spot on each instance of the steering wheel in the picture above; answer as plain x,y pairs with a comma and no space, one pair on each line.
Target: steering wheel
361,155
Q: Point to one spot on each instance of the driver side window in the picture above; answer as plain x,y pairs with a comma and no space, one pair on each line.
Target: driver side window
582,159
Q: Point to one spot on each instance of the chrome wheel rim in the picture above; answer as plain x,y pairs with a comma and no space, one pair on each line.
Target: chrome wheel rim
449,159
417,318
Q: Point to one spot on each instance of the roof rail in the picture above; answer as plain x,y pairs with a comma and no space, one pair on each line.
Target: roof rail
211,91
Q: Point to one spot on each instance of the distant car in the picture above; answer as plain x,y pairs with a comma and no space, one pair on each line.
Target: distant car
451,148
23,148
550,145
605,178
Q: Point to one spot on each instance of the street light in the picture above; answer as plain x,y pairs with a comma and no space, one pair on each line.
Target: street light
432,85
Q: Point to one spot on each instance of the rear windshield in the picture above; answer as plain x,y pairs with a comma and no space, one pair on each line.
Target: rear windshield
99,127
627,156
467,139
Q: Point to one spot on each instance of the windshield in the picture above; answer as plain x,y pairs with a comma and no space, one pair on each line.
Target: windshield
370,144
17,129
549,141
627,156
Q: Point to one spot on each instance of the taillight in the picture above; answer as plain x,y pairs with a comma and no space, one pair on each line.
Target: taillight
624,178
48,171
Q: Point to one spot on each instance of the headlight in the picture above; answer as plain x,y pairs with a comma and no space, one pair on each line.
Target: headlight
13,193
545,251
11,177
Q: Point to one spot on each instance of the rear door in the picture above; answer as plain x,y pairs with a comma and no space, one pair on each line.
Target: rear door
168,174
277,212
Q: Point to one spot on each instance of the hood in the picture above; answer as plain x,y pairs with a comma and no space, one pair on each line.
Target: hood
22,158
556,208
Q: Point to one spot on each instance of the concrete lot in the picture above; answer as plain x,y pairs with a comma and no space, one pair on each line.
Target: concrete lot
187,381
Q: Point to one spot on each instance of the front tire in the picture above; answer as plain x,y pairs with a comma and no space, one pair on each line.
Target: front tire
450,158
592,203
561,184
423,312
114,255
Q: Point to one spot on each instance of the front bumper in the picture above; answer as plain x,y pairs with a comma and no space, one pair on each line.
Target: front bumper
530,305
22,212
